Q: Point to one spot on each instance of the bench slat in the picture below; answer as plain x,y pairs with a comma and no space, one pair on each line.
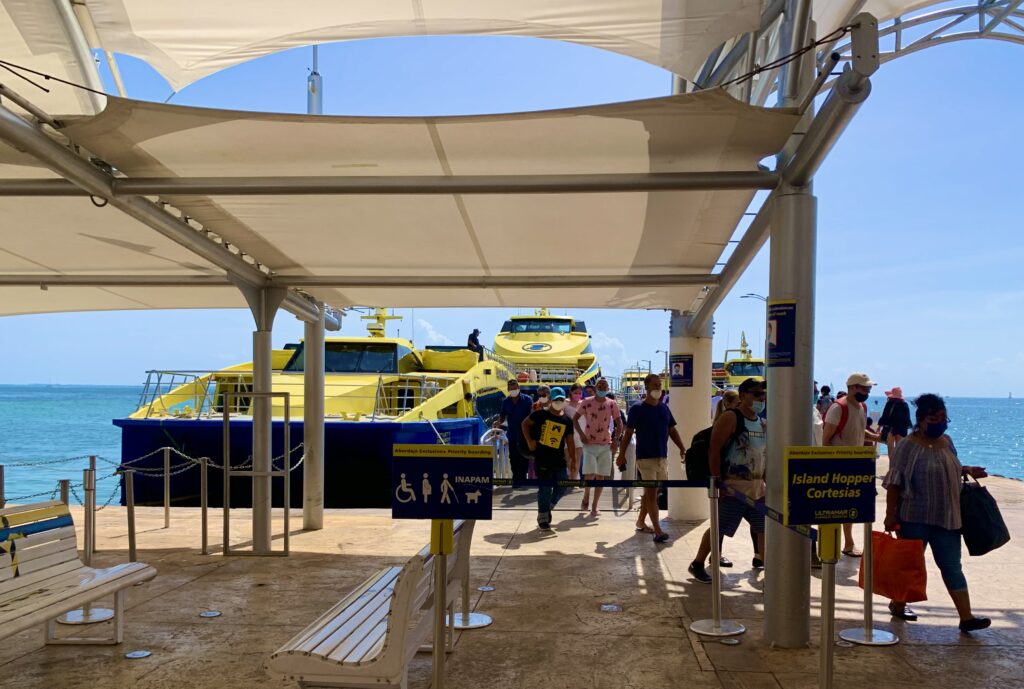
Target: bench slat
341,644
371,646
81,581
28,507
26,529
11,587
41,545
327,624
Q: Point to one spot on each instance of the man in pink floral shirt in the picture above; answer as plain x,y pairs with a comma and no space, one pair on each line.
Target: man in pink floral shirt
601,414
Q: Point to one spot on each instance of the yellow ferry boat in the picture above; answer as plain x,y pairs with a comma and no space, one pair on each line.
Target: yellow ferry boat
547,350
737,369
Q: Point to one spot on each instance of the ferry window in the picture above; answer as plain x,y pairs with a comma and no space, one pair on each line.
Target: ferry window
408,360
355,357
581,327
298,360
542,326
506,327
746,369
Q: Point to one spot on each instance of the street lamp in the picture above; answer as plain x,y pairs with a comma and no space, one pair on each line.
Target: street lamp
662,351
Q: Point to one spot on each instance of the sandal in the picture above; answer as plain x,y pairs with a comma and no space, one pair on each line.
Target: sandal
852,552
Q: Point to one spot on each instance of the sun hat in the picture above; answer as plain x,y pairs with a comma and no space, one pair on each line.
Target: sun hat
895,393
859,379
557,394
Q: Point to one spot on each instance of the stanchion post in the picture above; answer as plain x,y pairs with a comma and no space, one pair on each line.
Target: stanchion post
89,487
716,626
129,501
868,635
3,499
92,513
204,463
828,552
167,487
65,490
442,538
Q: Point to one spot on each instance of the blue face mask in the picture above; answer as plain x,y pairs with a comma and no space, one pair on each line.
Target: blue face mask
758,406
936,430
602,393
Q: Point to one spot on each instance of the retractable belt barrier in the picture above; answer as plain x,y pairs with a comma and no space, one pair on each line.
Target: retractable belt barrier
771,513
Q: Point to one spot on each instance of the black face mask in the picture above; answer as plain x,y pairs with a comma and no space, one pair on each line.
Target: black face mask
861,396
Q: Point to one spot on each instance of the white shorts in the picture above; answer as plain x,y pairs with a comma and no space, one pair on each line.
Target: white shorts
597,459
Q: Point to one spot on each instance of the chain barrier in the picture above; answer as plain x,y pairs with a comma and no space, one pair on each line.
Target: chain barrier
46,462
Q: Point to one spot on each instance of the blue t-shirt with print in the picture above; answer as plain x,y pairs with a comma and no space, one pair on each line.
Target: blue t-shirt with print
515,409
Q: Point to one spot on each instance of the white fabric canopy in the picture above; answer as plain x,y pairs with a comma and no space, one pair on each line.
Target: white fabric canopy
31,35
189,39
829,14
632,233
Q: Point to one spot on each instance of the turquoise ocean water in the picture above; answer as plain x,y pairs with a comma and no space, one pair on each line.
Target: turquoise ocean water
42,422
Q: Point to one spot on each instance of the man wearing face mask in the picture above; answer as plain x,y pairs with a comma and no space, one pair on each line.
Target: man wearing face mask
514,409
736,457
543,398
653,424
548,432
600,415
846,425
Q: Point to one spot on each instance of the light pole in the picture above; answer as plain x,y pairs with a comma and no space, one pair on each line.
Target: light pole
665,352
761,297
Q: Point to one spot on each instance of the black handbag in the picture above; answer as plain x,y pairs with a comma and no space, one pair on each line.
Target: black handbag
983,527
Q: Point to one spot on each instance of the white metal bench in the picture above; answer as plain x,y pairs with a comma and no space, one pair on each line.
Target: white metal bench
42,578
369,638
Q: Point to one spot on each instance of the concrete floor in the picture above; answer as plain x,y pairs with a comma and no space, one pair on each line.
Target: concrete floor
548,632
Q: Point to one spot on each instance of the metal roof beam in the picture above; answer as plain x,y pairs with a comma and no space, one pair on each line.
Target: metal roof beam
544,282
457,184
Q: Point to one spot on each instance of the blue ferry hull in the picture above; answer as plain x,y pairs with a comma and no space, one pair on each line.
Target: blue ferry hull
357,457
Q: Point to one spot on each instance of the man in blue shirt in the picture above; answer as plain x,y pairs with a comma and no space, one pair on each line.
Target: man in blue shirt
653,424
514,409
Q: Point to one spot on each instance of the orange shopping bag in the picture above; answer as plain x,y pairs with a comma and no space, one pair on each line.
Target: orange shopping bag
898,570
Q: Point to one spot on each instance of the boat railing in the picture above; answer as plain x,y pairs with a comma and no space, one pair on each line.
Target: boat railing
200,394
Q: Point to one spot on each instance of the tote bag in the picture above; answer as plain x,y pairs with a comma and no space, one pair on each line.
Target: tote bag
898,569
983,527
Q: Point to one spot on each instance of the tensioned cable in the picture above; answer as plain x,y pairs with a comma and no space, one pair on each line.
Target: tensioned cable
11,67
786,59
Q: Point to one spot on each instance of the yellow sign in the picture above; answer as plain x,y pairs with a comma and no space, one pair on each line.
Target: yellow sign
472,451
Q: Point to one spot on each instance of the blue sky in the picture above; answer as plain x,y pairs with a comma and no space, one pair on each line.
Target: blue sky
919,216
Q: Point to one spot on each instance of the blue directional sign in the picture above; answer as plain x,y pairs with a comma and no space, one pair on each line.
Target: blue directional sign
441,481
829,485
782,333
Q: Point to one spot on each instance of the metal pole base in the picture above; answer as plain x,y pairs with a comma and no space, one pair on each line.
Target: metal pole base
871,637
724,628
475,620
86,616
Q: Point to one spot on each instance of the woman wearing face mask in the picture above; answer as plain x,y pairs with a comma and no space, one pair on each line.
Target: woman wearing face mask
572,405
543,398
923,502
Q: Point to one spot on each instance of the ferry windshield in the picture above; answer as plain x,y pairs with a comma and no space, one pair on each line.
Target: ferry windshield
542,326
352,357
747,369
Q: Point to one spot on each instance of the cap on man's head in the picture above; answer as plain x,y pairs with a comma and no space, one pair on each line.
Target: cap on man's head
557,394
753,385
859,379
476,331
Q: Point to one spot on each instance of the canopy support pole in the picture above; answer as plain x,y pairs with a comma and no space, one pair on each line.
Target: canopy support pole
313,425
691,409
794,213
263,302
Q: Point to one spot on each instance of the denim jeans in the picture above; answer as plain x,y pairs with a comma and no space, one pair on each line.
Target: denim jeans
945,545
548,496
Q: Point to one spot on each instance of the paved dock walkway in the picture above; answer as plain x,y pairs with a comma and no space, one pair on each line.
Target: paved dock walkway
549,631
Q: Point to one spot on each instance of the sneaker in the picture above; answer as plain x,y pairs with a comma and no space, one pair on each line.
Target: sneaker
545,526
974,624
699,573
757,563
661,538
724,562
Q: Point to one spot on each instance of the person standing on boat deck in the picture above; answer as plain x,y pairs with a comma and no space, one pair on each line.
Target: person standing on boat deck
846,425
736,457
602,416
895,420
922,502
514,409
653,424
473,343
548,432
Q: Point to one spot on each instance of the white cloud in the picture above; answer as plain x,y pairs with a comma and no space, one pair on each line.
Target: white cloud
611,353
432,335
